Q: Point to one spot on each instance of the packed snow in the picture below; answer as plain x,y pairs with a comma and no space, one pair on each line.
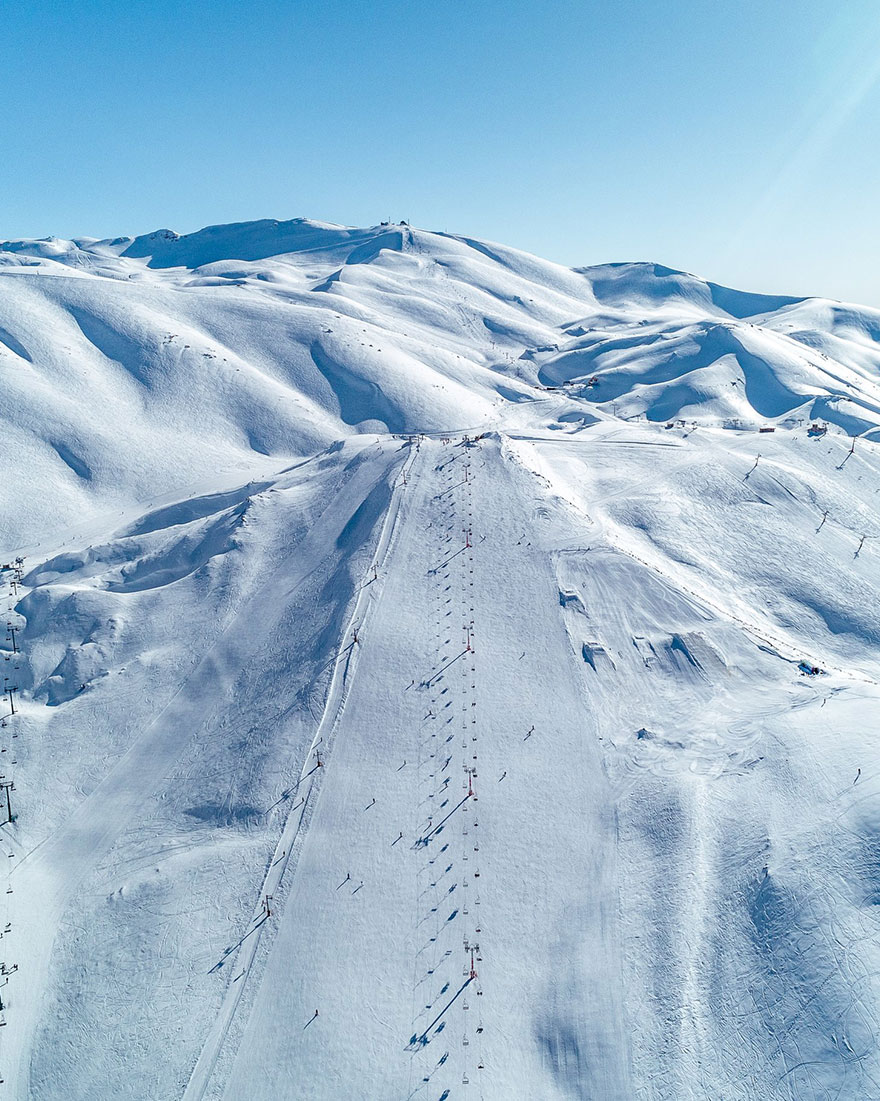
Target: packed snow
434,673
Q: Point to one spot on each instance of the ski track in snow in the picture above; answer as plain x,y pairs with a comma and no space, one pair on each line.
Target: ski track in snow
293,835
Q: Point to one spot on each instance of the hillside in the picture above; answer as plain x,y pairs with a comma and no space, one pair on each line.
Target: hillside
433,679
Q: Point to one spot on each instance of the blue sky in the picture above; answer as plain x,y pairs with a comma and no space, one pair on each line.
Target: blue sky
736,139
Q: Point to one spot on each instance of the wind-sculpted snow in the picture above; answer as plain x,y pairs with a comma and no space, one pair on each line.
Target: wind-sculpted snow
218,348
428,680
715,372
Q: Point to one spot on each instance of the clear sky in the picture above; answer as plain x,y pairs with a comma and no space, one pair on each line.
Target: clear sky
738,139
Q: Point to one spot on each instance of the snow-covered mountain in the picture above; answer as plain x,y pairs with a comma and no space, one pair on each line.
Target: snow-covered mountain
437,674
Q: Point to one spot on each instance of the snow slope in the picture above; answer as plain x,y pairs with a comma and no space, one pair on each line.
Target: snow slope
417,632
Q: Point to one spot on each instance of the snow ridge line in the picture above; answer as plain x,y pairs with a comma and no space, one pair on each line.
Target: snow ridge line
295,827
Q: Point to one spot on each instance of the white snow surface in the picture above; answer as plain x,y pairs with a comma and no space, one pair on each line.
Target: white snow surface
429,681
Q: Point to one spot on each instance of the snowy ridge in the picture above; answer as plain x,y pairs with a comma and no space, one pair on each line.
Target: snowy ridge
421,633
279,338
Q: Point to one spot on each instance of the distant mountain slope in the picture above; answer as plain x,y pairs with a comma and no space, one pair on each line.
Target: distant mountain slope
136,367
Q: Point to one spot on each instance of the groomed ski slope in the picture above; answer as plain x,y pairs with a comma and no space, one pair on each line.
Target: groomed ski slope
456,877
535,752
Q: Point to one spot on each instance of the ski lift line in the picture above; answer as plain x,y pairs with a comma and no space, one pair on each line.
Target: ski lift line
435,889
427,900
469,690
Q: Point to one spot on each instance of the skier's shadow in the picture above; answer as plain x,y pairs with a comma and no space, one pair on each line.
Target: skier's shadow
228,951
